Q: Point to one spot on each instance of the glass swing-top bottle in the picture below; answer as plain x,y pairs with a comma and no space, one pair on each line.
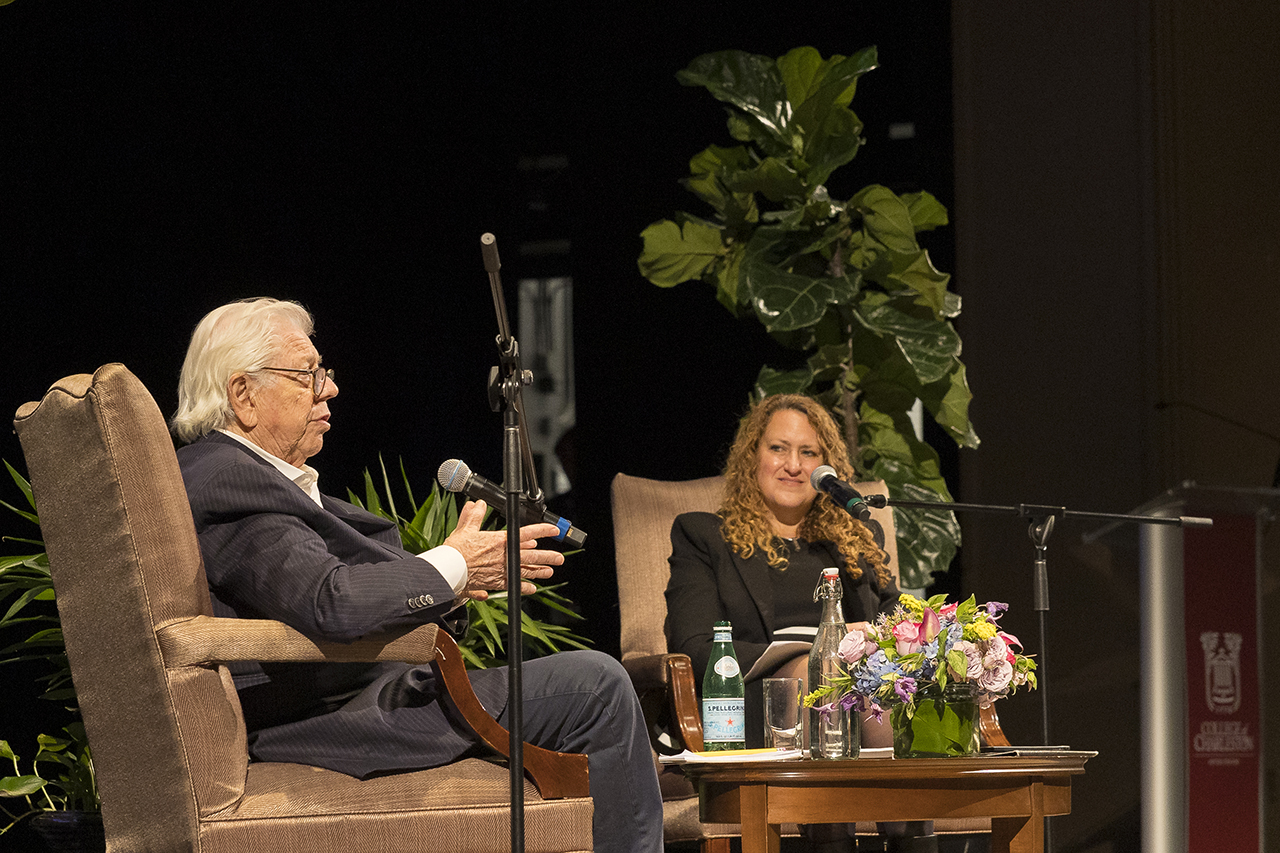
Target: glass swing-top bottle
835,733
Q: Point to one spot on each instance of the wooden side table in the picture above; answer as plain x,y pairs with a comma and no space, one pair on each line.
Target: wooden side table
1016,792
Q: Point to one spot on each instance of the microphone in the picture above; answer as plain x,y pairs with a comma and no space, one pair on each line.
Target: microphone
824,479
455,476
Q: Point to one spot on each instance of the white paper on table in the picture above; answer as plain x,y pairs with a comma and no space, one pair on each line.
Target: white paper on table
730,756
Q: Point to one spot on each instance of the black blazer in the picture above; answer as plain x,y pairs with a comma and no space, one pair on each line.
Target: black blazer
334,573
709,582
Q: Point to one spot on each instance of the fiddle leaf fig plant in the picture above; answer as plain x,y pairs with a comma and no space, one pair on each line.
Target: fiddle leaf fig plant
844,280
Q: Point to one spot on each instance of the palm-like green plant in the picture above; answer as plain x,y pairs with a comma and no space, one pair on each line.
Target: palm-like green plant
844,280
26,592
27,589
426,525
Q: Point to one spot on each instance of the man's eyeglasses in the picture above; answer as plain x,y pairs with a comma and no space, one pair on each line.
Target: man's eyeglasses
319,376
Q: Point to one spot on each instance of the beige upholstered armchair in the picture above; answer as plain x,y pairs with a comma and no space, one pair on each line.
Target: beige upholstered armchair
162,715
643,512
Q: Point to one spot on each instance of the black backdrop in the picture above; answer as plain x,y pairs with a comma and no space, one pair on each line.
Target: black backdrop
158,160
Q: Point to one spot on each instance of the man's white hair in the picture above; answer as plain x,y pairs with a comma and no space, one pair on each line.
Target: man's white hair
239,337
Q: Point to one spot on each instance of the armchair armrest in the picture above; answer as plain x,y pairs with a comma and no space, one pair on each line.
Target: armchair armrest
210,639
670,679
207,639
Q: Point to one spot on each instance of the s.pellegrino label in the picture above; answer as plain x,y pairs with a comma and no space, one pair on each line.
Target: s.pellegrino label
723,707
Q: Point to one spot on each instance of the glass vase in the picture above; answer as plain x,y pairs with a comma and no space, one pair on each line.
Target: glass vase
944,724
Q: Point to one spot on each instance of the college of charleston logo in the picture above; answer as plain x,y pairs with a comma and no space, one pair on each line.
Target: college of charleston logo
1221,671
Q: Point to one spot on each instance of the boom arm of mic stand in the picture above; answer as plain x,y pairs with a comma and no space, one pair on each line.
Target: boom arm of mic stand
505,383
509,369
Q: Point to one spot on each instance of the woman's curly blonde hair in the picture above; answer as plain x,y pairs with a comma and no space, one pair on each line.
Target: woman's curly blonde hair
746,521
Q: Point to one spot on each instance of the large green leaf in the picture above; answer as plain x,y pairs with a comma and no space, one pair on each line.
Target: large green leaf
926,211
673,254
948,401
830,83
727,276
770,381
886,217
749,82
821,92
772,177
927,539
785,300
915,272
930,346
708,171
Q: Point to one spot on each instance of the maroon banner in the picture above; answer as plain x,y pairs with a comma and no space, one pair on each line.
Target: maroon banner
1224,721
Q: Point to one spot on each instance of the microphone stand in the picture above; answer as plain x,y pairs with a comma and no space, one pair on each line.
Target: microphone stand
505,383
1041,523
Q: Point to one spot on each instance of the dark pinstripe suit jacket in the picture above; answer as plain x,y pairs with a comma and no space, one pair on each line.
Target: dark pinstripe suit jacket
334,573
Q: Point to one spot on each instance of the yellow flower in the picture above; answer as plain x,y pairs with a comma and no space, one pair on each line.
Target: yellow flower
912,605
976,632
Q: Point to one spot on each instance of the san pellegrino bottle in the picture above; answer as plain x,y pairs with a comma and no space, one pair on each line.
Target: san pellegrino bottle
836,733
723,706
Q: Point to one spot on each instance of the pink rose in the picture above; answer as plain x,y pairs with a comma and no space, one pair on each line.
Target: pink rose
948,611
906,636
855,646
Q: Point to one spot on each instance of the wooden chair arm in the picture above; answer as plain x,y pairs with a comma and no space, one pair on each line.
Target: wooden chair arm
682,688
989,728
556,774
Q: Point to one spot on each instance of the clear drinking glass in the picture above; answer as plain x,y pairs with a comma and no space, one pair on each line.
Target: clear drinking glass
782,713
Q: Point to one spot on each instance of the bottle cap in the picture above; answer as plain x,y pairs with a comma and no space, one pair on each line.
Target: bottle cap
830,572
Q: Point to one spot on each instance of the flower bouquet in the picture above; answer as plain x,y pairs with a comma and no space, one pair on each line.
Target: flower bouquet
932,665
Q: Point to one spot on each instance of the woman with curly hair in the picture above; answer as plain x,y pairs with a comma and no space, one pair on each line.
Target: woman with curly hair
757,561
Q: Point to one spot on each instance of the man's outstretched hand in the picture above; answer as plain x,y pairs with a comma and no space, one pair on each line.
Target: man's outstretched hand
485,552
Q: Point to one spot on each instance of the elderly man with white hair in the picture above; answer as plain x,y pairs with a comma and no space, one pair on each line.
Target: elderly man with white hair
253,405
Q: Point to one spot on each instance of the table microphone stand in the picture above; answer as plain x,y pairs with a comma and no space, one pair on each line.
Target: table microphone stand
505,383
